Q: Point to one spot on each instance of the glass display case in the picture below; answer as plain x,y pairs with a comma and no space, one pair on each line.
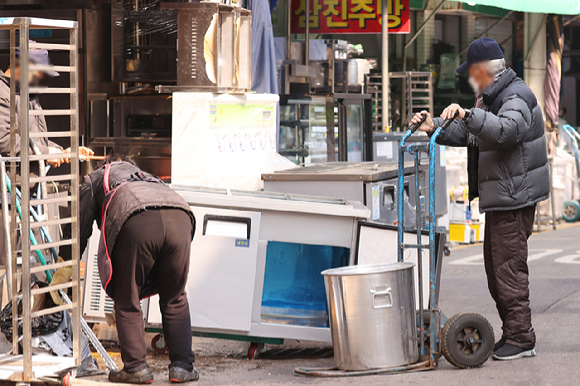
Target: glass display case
307,129
318,129
354,125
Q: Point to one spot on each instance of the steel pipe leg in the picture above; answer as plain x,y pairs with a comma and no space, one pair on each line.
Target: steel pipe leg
6,223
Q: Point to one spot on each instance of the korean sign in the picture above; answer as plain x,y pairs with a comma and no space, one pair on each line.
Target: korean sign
350,16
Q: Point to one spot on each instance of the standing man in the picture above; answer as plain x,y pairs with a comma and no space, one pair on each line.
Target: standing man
36,123
146,232
508,171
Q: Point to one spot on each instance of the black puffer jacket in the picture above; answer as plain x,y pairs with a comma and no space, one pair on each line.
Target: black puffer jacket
512,167
130,198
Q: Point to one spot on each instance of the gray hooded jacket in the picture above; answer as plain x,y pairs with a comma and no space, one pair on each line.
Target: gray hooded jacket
512,167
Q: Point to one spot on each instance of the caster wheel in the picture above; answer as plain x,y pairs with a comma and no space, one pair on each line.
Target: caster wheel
67,380
426,330
159,344
447,251
467,340
254,350
571,211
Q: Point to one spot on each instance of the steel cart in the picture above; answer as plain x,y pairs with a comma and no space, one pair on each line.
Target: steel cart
467,339
256,262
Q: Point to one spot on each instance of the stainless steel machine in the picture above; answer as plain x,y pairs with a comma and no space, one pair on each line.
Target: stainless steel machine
134,64
214,53
256,263
385,148
143,41
131,47
323,118
137,126
372,183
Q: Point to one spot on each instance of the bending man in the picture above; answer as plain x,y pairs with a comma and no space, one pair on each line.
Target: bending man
146,234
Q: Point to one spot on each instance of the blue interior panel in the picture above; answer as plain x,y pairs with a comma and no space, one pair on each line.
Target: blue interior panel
293,286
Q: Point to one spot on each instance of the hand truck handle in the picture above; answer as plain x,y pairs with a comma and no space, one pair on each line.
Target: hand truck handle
415,127
446,124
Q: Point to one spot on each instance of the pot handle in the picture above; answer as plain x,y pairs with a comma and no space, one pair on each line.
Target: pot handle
382,293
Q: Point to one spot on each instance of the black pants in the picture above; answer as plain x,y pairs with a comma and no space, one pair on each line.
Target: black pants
157,243
505,251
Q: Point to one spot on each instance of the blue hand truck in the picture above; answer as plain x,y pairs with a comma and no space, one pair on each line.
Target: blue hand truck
467,339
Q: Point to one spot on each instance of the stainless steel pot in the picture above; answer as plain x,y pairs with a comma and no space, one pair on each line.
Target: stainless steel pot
372,315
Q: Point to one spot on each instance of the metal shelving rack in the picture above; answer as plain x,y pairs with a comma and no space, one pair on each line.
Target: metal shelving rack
19,29
420,93
415,95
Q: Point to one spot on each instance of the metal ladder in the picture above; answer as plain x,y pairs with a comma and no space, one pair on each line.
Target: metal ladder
20,123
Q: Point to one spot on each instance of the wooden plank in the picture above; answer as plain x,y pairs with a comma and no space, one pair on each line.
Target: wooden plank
42,268
52,310
38,291
56,200
49,68
50,134
50,245
51,90
49,46
53,112
47,223
50,156
64,177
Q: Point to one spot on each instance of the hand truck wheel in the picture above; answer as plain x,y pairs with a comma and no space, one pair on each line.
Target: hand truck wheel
467,340
254,350
571,211
159,344
447,250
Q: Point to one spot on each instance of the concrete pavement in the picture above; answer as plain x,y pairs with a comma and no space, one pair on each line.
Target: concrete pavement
555,301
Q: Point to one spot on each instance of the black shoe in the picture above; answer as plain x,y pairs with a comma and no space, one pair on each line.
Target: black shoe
500,343
141,377
509,352
179,375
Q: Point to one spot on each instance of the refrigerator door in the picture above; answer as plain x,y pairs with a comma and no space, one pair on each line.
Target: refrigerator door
222,273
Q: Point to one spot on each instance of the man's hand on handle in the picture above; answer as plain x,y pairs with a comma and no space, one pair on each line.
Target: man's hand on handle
449,112
427,125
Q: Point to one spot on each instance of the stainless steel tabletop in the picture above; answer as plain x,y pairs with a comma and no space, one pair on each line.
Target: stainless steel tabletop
341,171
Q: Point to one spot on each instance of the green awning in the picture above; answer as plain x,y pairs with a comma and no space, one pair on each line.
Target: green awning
562,7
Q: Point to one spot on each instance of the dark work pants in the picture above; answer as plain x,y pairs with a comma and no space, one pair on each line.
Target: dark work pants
505,251
153,242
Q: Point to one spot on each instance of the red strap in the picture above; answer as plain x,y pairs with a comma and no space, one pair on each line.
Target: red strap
103,235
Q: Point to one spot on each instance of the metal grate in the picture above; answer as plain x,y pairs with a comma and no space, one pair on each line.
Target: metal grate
99,303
